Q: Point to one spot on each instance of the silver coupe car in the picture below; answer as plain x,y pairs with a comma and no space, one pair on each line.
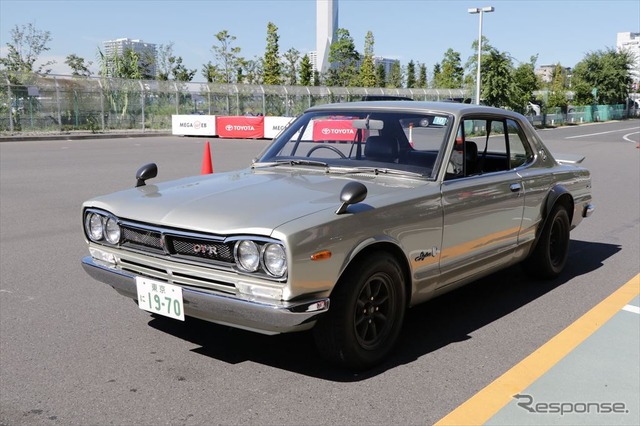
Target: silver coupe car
355,213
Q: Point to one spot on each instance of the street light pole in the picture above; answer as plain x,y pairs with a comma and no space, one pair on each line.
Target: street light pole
481,11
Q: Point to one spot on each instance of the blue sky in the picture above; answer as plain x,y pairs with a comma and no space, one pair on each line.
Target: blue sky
557,31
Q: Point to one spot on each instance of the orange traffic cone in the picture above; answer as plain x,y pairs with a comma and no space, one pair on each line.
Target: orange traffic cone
207,168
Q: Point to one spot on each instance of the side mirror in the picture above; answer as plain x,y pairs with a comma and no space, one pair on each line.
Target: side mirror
352,193
148,171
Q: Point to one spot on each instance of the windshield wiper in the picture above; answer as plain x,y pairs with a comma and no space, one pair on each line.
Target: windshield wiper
292,162
378,171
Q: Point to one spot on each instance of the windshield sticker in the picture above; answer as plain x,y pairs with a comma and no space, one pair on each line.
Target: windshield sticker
441,121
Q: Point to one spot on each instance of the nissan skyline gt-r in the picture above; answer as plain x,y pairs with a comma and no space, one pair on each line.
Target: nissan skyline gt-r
353,214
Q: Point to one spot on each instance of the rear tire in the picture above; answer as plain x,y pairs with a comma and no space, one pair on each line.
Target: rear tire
549,257
366,314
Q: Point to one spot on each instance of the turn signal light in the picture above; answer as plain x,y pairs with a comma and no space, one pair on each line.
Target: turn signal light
321,255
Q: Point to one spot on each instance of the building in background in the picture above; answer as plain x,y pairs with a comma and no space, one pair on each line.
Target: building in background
545,72
313,58
387,63
147,51
326,27
631,42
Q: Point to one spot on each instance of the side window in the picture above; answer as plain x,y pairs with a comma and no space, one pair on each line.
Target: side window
465,157
520,152
486,145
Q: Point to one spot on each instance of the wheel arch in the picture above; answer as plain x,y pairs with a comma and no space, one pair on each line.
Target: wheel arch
382,246
558,195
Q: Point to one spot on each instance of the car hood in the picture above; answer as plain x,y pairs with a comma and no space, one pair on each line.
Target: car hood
246,201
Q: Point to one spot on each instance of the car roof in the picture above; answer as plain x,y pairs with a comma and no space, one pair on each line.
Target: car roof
454,108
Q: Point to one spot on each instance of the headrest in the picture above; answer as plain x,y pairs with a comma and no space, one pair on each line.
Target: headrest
470,151
378,148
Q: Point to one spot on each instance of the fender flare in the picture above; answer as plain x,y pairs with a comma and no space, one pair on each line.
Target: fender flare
386,244
557,195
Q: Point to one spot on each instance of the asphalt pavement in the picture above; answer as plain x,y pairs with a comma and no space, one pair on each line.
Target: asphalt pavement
72,351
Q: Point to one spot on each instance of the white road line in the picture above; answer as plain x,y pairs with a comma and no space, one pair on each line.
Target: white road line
632,308
626,137
601,133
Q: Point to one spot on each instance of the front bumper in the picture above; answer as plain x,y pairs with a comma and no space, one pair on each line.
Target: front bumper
259,316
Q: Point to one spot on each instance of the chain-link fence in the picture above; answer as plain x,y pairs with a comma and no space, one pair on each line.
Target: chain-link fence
36,103
62,103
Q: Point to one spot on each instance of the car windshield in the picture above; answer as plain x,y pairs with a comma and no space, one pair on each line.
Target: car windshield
394,143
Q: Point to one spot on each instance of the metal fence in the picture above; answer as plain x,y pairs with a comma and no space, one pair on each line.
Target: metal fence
62,103
36,103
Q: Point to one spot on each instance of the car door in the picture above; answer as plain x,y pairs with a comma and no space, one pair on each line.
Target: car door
483,201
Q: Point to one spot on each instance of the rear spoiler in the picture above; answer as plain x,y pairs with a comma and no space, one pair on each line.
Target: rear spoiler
569,158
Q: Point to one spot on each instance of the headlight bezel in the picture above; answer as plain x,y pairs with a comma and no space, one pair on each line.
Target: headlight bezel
103,221
264,266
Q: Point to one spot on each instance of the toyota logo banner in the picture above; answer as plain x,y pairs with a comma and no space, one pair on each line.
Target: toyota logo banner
240,127
333,130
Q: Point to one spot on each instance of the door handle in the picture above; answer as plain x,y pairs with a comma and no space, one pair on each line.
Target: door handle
515,187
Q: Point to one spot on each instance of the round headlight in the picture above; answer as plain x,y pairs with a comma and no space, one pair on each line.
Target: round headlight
275,259
248,255
112,231
94,226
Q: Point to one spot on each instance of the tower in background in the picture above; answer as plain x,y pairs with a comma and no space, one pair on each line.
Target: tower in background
326,27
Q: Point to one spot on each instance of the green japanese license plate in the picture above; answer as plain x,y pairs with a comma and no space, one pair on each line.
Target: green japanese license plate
160,298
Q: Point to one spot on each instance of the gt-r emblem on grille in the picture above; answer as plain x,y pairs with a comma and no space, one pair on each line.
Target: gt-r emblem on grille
205,249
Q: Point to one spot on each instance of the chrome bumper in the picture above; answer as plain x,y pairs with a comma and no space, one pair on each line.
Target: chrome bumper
259,316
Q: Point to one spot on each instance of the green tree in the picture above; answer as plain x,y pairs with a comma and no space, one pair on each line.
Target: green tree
422,79
211,72
163,67
24,49
317,79
306,71
609,72
557,90
178,71
78,65
498,88
291,58
252,71
367,75
271,63
436,75
526,82
451,71
381,76
343,58
228,57
128,65
471,65
395,75
411,75
170,65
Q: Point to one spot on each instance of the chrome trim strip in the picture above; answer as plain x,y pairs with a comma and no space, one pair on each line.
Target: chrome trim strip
236,311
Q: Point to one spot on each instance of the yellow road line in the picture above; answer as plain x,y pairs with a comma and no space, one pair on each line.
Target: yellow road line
485,404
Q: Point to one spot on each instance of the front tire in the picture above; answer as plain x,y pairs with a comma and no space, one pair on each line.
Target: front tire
366,314
552,249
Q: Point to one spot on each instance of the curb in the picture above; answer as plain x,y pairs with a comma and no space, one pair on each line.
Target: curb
71,136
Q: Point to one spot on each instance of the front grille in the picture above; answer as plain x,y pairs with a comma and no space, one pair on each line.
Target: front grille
175,243
203,249
141,238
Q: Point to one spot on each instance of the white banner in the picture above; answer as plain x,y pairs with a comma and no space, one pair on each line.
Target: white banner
274,125
193,125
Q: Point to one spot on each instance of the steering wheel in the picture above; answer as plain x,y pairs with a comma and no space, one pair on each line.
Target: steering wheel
332,148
